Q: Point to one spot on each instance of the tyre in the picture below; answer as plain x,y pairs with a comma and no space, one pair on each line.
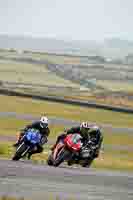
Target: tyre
87,163
63,154
49,160
70,162
21,151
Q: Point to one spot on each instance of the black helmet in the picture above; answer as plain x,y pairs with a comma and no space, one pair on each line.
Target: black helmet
87,128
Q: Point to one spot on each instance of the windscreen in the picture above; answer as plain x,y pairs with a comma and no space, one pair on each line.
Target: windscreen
76,138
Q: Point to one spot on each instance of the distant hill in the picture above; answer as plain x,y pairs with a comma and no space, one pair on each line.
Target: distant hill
118,43
116,48
47,45
112,48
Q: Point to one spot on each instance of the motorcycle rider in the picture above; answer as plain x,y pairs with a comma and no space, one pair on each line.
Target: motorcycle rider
42,126
91,135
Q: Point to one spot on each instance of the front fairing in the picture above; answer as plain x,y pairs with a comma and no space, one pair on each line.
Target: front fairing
73,142
33,136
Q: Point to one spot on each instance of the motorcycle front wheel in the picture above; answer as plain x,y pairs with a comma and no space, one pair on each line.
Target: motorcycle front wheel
62,155
50,160
21,151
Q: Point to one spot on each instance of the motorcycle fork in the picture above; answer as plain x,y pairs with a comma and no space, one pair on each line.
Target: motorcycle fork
25,151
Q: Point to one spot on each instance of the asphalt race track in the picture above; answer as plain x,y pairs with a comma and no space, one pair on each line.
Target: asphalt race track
23,179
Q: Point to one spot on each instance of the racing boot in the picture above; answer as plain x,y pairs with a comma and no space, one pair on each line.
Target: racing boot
19,139
53,147
29,155
17,143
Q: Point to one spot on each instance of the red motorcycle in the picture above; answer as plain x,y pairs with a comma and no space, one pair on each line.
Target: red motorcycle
65,149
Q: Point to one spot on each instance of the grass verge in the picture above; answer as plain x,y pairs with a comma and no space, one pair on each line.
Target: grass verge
36,107
109,161
6,149
14,126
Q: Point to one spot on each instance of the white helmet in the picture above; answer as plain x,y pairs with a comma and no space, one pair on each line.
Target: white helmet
44,122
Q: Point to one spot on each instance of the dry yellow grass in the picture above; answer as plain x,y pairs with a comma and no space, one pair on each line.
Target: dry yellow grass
58,59
116,85
34,107
29,73
107,100
110,161
12,126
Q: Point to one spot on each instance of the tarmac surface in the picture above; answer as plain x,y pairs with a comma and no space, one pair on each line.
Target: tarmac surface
24,179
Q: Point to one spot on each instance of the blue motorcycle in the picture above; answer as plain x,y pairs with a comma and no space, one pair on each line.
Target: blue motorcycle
29,141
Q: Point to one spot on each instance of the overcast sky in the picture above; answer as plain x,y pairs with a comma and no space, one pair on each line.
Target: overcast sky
68,19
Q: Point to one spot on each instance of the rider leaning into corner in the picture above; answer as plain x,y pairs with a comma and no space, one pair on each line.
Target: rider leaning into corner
42,126
91,135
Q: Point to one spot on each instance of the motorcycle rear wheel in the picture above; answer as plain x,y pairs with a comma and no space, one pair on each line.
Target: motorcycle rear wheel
87,163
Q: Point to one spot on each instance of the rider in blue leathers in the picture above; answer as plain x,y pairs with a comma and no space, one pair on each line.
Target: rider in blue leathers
42,126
